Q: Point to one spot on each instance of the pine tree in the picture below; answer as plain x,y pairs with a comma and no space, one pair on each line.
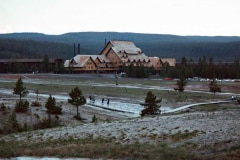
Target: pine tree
151,106
77,99
37,92
12,123
182,76
20,89
46,64
131,70
181,83
51,106
213,86
36,103
21,106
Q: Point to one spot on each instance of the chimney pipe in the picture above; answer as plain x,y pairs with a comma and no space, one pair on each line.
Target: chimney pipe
78,48
74,50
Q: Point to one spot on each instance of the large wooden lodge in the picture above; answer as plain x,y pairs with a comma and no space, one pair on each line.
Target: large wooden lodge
112,58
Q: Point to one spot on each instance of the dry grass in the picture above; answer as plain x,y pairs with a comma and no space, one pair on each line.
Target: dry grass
93,148
181,136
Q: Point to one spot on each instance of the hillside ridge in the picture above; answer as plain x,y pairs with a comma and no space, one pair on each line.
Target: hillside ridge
221,48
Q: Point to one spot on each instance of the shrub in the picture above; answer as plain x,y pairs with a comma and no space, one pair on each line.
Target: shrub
12,125
180,136
3,107
213,86
238,100
94,119
36,104
46,123
55,110
78,117
22,106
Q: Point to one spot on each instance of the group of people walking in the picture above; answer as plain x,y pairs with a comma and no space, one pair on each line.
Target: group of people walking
103,99
92,99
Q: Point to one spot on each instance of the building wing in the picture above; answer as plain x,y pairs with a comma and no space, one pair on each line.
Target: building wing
171,61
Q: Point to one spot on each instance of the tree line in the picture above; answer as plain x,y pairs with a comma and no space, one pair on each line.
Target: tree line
139,71
12,48
205,68
220,51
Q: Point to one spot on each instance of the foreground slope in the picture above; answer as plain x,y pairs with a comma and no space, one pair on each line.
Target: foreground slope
208,133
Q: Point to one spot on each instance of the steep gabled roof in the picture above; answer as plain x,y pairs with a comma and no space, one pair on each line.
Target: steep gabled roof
136,58
154,60
66,63
125,47
101,58
81,60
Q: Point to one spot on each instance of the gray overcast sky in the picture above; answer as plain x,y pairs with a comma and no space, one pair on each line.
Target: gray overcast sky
180,17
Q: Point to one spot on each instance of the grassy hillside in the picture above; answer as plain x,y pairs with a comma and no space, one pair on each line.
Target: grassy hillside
220,48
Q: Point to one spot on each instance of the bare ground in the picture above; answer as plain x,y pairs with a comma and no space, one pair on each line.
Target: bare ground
206,130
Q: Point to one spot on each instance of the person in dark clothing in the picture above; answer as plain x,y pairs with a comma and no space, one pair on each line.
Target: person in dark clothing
108,101
102,100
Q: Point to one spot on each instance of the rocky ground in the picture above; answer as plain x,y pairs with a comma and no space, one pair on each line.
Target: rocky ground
203,130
